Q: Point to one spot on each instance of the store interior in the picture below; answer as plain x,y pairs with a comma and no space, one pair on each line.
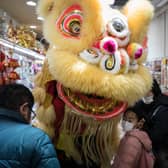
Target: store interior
23,47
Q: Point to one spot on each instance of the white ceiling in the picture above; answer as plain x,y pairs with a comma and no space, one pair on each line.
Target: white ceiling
27,14
21,12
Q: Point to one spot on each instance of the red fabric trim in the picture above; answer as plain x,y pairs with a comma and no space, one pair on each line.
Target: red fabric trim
57,103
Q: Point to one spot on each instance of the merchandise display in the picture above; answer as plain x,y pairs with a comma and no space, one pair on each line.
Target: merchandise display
159,70
7,68
164,73
19,34
23,54
18,63
92,72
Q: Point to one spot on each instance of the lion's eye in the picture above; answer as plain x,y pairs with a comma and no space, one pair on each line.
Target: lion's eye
118,26
70,21
111,63
75,27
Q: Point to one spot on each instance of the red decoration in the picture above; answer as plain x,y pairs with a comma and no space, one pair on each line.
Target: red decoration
13,63
7,66
2,56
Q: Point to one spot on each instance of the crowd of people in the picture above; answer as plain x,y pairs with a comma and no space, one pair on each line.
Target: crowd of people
144,144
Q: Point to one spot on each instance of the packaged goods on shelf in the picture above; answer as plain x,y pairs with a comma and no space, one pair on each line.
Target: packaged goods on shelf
24,62
164,73
159,70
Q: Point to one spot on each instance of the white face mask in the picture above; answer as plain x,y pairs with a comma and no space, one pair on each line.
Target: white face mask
147,100
127,126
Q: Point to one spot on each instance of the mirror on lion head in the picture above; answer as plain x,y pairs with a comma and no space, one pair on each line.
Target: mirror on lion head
93,71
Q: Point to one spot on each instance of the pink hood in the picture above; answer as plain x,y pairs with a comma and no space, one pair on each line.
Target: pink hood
142,137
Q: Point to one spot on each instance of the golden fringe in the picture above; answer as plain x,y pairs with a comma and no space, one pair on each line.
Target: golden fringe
99,139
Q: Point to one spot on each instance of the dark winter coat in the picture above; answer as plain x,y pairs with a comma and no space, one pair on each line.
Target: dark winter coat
156,116
156,125
23,146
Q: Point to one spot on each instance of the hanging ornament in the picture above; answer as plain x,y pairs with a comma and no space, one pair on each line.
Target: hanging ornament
2,56
13,75
13,63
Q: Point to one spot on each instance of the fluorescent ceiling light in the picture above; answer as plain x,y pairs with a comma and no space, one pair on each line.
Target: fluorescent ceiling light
31,3
33,27
21,50
40,18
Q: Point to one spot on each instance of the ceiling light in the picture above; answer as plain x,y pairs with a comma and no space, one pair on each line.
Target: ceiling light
31,3
40,18
33,27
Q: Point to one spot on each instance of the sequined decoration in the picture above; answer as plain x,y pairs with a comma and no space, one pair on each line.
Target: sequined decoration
92,107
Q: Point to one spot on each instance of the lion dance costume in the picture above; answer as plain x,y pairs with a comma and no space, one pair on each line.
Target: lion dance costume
92,72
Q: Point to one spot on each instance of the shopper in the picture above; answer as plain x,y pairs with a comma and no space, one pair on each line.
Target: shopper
135,149
155,108
22,146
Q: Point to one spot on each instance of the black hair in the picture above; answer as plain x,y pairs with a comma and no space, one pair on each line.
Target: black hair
138,113
12,96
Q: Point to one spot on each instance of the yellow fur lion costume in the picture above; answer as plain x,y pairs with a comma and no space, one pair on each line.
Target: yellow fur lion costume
92,72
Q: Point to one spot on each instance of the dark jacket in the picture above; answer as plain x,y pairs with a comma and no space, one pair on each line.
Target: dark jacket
156,116
156,125
23,146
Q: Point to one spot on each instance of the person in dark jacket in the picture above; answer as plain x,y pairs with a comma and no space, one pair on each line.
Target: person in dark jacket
21,145
155,109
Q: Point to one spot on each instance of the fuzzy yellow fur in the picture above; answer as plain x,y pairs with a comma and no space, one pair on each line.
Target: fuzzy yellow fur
39,95
43,76
43,7
139,14
91,10
47,129
45,112
47,116
88,78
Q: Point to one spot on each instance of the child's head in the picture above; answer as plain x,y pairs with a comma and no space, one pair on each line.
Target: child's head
132,119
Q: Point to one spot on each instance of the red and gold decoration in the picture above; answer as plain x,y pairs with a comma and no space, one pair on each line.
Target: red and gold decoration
7,68
21,35
25,37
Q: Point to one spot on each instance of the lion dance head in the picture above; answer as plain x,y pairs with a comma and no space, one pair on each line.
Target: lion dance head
92,72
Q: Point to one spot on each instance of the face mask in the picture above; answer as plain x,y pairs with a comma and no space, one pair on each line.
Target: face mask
147,100
127,126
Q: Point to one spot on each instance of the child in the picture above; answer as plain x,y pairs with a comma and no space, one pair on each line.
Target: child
135,149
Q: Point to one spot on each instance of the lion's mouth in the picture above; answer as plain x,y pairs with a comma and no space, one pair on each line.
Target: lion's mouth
93,106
